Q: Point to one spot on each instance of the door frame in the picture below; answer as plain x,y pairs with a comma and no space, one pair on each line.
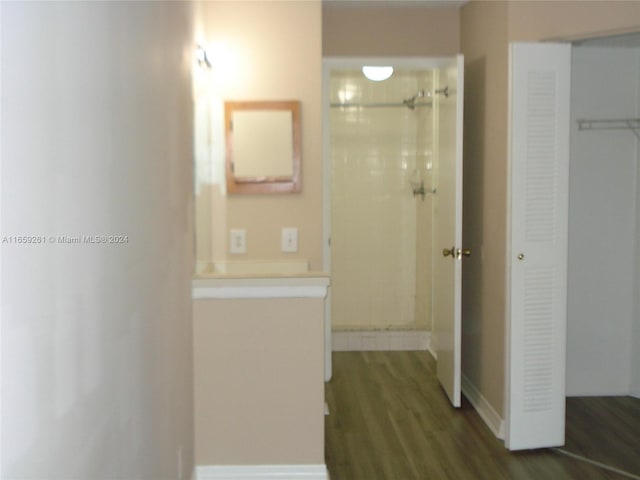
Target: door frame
330,64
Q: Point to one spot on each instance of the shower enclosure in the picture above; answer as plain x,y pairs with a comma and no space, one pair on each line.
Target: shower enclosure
381,141
393,209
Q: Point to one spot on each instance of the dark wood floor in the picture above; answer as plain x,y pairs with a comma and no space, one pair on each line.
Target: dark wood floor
389,419
605,430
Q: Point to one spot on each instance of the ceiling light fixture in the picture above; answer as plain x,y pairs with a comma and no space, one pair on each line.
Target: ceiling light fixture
377,74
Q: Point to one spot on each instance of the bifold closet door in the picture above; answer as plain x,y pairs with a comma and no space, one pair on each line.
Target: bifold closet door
539,108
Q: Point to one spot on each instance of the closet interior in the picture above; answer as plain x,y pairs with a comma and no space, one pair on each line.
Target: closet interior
603,325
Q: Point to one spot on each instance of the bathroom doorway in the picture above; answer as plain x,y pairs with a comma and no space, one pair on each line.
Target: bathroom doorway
381,144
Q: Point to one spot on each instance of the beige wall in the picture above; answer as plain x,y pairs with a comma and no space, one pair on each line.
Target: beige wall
570,20
204,220
259,381
390,31
273,52
96,339
486,29
484,44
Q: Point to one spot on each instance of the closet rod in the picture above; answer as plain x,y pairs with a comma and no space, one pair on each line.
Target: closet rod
632,124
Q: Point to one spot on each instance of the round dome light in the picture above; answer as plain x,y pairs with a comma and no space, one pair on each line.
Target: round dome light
377,74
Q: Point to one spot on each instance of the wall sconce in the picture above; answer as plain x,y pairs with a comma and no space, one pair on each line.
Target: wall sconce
203,58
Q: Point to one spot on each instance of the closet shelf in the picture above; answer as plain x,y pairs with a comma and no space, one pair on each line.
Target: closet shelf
632,124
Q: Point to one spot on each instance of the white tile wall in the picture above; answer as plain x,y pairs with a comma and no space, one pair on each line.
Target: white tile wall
374,228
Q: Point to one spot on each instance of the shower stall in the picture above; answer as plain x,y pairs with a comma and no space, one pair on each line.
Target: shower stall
381,138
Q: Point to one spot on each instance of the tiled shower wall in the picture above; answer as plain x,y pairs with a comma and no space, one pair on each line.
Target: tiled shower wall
381,233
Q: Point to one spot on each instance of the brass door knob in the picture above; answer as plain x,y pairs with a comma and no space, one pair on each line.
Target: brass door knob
449,252
463,252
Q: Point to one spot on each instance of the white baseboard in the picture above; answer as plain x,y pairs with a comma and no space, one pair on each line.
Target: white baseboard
259,472
380,340
483,407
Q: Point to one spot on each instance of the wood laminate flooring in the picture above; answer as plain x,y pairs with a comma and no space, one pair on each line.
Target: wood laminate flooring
605,430
390,419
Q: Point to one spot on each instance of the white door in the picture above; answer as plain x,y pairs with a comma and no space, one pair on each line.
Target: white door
448,251
539,81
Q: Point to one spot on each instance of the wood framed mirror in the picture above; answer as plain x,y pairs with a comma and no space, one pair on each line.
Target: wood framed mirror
262,146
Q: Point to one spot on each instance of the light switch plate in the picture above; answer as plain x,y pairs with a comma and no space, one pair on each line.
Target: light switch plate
238,240
289,240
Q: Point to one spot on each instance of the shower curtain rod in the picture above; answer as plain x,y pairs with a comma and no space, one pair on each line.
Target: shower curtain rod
381,105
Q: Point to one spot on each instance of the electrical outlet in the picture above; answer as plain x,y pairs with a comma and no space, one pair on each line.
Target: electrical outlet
289,240
238,241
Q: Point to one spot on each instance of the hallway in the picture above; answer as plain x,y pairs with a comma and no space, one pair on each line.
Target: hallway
390,420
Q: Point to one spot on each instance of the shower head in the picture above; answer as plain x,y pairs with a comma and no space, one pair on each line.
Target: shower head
411,101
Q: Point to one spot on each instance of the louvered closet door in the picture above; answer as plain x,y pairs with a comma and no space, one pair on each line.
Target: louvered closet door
539,160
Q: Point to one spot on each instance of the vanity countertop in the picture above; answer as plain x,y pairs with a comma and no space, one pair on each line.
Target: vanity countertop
279,285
